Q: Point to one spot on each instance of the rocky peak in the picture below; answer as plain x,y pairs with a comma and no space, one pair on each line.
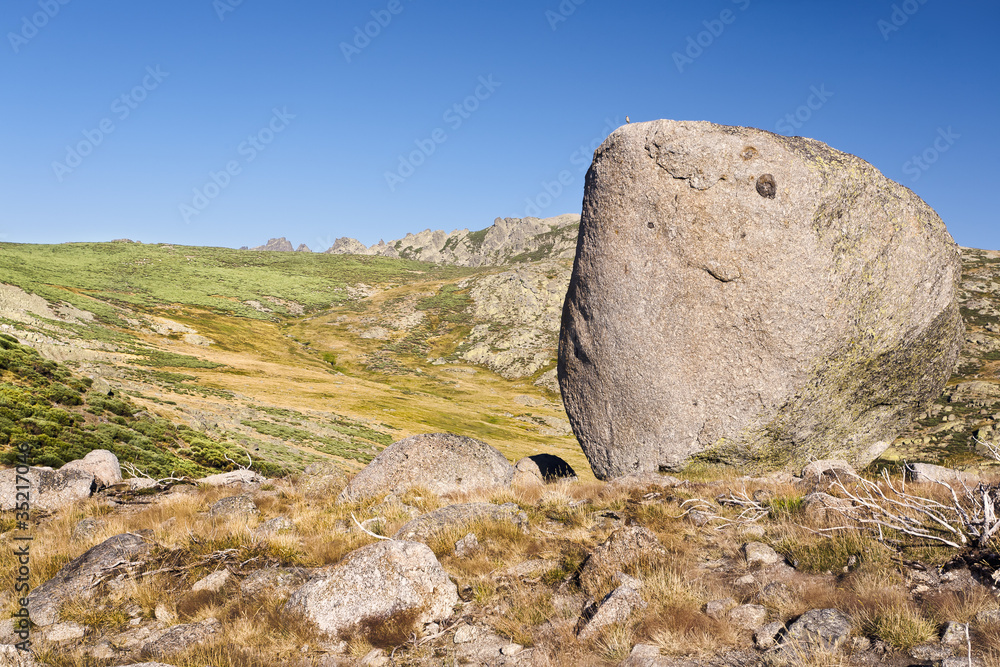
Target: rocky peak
277,245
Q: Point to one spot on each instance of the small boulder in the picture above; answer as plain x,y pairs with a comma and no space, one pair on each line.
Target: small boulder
233,506
100,463
824,629
930,473
233,478
718,609
767,636
279,524
49,489
955,634
747,616
545,467
624,548
441,462
180,637
828,470
11,656
87,528
466,546
78,578
428,525
759,554
406,575
65,632
819,506
213,582
616,607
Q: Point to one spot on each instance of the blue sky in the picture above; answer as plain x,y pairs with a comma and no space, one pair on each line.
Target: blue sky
220,122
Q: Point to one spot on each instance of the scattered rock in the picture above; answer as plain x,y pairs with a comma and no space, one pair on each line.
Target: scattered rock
828,470
646,655
242,506
233,478
87,528
511,649
767,636
49,489
929,473
282,581
466,546
691,328
374,658
213,582
10,656
624,548
441,462
180,637
718,609
776,593
279,524
428,525
747,616
955,634
824,629
466,634
78,578
616,607
819,506
990,616
64,632
100,463
406,575
759,554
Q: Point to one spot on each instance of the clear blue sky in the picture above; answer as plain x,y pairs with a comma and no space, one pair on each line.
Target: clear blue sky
201,77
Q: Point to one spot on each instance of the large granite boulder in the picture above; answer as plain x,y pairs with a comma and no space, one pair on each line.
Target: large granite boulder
100,463
48,489
749,299
439,462
376,583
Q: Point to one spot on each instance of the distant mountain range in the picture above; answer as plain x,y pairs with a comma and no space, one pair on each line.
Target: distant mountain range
506,241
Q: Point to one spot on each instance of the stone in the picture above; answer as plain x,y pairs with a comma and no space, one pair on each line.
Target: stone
750,299
759,554
86,529
466,634
828,470
406,575
77,579
545,467
180,637
931,474
511,649
440,462
213,582
233,478
10,656
426,526
279,524
776,594
65,632
990,616
616,607
374,658
767,636
747,616
624,548
819,506
466,546
100,463
282,581
242,506
718,609
646,655
48,489
955,634
824,629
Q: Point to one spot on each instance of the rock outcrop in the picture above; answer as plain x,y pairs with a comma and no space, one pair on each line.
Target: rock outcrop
507,240
440,462
78,579
276,245
753,300
49,489
377,583
100,463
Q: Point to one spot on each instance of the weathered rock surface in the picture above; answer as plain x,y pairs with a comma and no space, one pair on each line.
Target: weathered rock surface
280,244
233,478
78,578
100,463
428,525
280,580
233,506
623,548
545,467
440,462
180,637
49,489
406,576
930,473
750,299
824,629
616,607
